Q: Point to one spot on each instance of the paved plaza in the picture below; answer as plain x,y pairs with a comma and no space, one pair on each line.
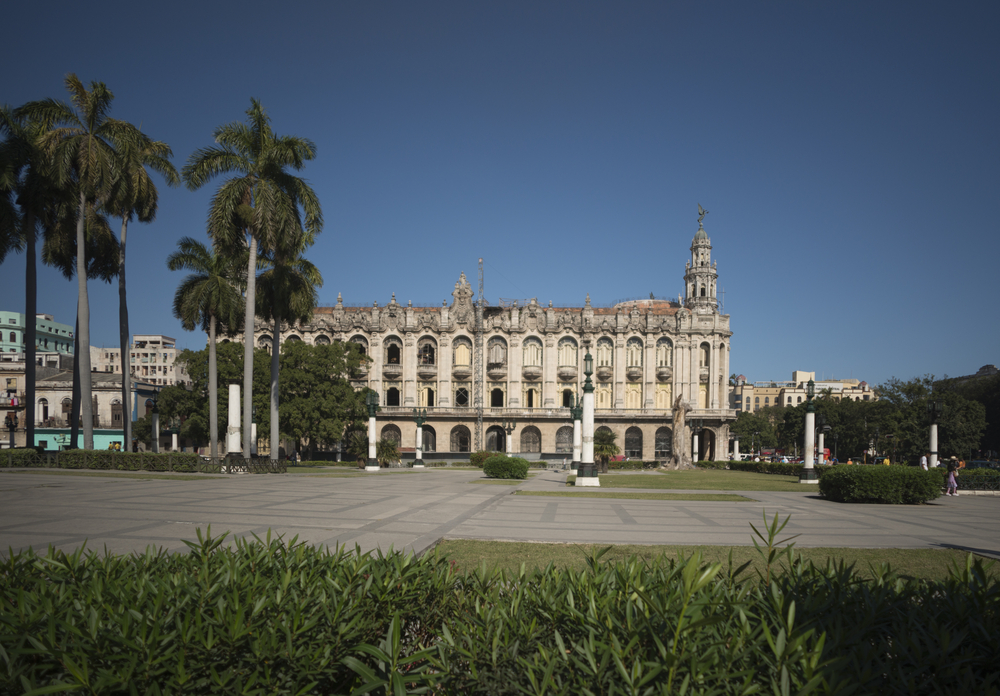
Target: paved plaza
413,510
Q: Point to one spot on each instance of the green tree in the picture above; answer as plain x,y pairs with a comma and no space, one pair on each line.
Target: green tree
317,401
133,195
82,143
357,446
286,293
755,429
605,447
386,452
259,206
208,295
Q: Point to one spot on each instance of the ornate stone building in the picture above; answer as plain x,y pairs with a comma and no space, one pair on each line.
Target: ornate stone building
646,353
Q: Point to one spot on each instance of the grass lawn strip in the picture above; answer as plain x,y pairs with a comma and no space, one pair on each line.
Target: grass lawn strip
719,497
707,480
468,554
501,482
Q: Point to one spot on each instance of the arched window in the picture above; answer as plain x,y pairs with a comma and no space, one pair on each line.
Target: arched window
603,429
462,355
426,351
460,439
393,351
531,440
462,396
800,400
567,352
496,439
391,432
116,412
664,443
496,352
748,402
605,352
67,407
361,342
705,355
496,397
322,340
564,440
633,353
293,338
392,396
427,396
633,443
264,342
664,353
767,400
532,352
756,400
531,399
429,439
43,409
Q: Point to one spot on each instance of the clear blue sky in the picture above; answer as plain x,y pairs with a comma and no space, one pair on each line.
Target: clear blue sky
847,152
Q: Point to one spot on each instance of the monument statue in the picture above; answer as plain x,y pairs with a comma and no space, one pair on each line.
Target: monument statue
701,214
682,438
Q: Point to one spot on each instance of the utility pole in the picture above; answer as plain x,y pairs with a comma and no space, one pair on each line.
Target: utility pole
478,358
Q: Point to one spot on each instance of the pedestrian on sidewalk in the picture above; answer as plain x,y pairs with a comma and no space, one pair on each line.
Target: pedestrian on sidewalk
952,485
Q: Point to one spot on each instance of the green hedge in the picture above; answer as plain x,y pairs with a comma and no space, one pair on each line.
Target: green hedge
21,456
778,468
270,617
633,465
479,458
107,460
713,465
503,467
880,484
973,479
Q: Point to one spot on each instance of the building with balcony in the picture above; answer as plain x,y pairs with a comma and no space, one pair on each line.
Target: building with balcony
647,353
753,396
152,357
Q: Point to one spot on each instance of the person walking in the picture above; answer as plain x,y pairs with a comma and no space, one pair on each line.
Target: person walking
952,484
923,462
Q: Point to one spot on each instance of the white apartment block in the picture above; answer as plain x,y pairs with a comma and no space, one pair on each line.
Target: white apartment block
152,357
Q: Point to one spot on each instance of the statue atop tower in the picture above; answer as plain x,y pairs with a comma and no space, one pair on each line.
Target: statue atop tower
700,277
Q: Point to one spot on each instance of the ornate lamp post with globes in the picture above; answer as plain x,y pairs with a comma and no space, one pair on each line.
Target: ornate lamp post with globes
587,475
809,474
419,417
508,427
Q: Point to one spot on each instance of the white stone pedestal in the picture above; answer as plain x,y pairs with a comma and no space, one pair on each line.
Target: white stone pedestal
418,466
372,468
589,481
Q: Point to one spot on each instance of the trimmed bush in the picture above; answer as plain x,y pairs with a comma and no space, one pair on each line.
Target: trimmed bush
479,458
973,479
632,465
264,616
501,466
893,485
713,465
21,456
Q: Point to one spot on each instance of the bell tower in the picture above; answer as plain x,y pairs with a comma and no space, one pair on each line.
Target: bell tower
700,277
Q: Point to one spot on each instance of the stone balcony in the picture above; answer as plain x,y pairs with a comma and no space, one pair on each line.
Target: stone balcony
567,373
664,373
532,372
461,372
634,373
426,371
496,372
604,373
392,371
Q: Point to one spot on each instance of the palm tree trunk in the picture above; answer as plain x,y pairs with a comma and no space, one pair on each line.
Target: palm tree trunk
275,349
74,408
83,332
123,334
213,391
30,309
248,346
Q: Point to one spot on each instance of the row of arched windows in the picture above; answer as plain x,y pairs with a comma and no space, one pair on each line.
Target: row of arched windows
530,439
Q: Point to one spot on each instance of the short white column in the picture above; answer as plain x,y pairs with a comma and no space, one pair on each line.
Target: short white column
577,446
510,443
808,470
418,462
173,442
736,450
234,441
694,448
820,458
156,432
253,441
933,448
372,464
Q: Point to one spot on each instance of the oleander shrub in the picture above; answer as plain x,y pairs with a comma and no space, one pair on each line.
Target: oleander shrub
266,616
880,484
479,458
713,465
503,467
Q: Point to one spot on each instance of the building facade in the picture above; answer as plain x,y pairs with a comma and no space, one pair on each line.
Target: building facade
50,335
647,353
753,396
152,356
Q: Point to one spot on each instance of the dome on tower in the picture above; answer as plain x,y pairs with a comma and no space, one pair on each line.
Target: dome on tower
701,235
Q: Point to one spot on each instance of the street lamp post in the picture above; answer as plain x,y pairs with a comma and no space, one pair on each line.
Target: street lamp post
371,400
11,422
696,425
836,436
419,417
587,475
577,413
809,474
935,409
508,427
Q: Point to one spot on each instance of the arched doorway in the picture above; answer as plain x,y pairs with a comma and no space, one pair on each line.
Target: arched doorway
564,440
429,439
496,439
531,440
461,439
664,445
633,443
392,397
496,398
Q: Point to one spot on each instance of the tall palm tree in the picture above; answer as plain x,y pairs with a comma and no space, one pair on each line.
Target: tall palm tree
287,293
257,207
209,295
84,151
26,189
133,194
605,447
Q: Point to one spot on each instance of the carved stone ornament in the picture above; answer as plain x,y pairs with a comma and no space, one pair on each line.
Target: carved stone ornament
634,373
